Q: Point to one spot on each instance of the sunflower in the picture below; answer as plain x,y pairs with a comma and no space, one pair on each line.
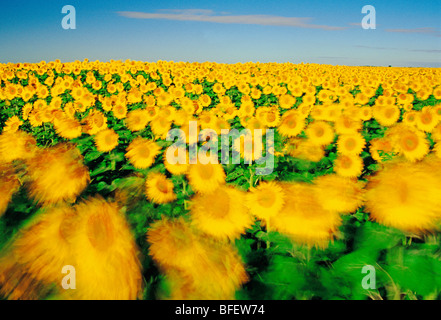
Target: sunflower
410,118
95,122
31,266
409,142
68,128
57,174
142,152
9,184
174,244
291,124
107,265
159,189
346,125
320,133
160,127
216,275
106,140
286,101
303,218
180,155
426,119
137,120
350,166
350,144
339,194
386,115
195,266
17,145
205,178
405,196
12,124
221,214
380,146
266,200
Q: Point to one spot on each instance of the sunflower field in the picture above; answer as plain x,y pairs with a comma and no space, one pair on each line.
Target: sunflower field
355,184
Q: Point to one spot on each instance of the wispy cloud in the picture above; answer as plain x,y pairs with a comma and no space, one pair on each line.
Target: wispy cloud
203,15
376,48
429,31
428,50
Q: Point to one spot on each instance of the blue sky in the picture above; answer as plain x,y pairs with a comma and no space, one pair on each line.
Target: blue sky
328,32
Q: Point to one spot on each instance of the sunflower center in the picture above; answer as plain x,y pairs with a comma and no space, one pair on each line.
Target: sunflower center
99,231
403,191
108,139
266,199
426,118
350,144
144,152
206,171
219,204
346,162
410,142
270,117
319,132
389,112
291,122
162,186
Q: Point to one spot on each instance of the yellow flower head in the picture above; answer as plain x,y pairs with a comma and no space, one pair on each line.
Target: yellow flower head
291,124
57,174
106,140
266,200
221,214
142,152
350,166
107,264
339,194
137,120
159,189
320,133
304,218
17,145
350,144
405,196
205,178
33,263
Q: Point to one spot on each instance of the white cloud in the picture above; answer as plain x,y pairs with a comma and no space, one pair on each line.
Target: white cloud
203,15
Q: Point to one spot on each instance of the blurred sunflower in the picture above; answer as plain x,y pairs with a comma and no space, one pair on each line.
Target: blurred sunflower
137,120
159,189
57,174
142,152
107,264
405,196
17,145
221,214
350,166
205,178
304,218
291,124
339,194
320,133
106,140
266,200
350,144
180,155
408,141
31,266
